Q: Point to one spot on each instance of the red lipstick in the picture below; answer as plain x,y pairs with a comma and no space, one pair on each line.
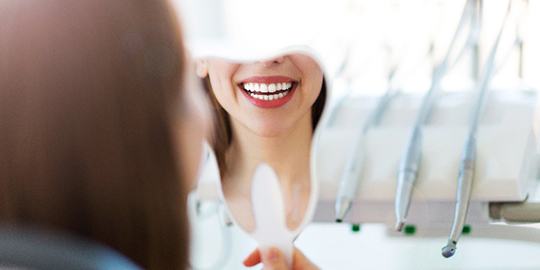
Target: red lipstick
268,91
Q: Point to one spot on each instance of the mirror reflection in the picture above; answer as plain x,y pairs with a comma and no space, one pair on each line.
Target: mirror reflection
264,112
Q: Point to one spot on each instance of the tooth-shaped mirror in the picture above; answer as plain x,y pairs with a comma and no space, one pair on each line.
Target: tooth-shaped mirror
266,111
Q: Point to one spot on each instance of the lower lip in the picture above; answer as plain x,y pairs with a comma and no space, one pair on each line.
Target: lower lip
268,104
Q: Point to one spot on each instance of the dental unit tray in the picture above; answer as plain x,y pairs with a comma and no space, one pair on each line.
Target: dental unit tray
507,165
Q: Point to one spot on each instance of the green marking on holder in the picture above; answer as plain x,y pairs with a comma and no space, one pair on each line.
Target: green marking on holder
355,228
409,229
467,229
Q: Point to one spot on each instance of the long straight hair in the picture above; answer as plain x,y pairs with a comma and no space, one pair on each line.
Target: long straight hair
89,91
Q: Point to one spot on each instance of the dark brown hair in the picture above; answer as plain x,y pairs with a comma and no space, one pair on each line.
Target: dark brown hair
89,91
222,135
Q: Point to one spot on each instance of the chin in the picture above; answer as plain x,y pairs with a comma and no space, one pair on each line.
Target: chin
270,129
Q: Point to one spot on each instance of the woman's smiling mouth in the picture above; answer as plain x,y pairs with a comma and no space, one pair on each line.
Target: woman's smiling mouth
268,91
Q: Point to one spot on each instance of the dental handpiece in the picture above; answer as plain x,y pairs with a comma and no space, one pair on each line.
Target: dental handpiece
348,186
349,183
411,160
407,174
467,167
464,189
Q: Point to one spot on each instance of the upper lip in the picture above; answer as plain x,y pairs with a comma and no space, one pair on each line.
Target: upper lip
268,79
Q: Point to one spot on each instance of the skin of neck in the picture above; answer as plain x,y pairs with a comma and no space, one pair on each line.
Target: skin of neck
287,153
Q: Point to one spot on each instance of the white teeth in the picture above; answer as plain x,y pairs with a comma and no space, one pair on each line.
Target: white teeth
266,88
269,97
272,88
256,89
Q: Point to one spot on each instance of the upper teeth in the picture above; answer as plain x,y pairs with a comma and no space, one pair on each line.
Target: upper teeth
267,88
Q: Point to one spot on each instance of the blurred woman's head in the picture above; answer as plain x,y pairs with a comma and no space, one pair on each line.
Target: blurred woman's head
92,111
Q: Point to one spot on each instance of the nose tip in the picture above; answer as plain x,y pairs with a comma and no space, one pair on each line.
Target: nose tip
273,61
